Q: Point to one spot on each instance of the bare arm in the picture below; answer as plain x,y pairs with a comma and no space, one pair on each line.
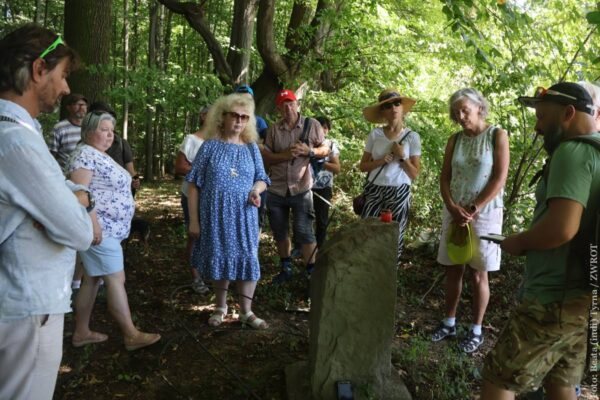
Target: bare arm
459,214
367,164
271,158
412,166
333,165
182,165
557,226
194,227
499,171
84,177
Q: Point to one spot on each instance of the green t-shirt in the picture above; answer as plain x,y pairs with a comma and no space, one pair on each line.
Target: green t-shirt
550,275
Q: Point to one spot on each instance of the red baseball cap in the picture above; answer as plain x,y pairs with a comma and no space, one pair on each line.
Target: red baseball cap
284,95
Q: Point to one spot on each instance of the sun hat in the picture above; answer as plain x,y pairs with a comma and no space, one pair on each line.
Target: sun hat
284,95
565,93
373,114
460,243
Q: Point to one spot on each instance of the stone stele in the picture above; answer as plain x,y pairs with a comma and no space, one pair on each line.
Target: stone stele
353,294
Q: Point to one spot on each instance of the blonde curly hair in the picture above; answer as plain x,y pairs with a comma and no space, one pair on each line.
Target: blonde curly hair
224,104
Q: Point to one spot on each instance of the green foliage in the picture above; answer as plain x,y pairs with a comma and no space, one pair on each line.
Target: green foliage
427,50
440,375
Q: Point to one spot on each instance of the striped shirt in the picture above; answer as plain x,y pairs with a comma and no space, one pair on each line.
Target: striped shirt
65,139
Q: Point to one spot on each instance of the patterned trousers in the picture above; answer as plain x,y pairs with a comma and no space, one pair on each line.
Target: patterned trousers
395,198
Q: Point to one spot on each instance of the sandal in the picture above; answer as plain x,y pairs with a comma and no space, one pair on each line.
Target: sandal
141,339
217,316
93,337
471,343
443,331
255,322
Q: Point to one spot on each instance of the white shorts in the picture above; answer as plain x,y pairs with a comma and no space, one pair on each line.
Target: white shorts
488,254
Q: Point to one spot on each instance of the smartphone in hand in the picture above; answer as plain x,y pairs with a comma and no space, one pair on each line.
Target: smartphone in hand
493,237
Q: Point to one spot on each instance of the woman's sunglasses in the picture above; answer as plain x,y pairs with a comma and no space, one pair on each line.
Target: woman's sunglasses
234,115
387,106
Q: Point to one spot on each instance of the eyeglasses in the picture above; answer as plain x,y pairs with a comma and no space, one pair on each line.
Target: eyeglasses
52,47
387,106
234,115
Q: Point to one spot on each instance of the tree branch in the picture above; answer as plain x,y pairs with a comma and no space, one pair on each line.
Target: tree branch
194,14
265,39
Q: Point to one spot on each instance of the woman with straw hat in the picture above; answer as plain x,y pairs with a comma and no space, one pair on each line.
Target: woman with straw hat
392,159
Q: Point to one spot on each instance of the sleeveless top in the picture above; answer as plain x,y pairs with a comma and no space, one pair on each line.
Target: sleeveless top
472,164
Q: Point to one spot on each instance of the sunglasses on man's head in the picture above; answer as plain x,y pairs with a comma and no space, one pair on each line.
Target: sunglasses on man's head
234,115
52,47
387,106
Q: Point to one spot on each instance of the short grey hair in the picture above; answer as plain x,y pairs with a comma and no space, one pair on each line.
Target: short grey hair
593,90
91,121
474,96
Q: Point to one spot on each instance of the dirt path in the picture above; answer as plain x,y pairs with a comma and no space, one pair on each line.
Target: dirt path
194,361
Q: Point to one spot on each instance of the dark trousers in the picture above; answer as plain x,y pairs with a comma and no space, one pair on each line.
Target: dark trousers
321,213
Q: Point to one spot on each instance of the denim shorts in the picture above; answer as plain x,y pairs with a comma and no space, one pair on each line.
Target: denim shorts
303,215
103,259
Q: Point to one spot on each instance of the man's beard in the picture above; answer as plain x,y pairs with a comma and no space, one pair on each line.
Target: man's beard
552,138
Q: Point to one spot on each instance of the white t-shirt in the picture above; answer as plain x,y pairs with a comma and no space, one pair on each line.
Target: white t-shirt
379,146
190,146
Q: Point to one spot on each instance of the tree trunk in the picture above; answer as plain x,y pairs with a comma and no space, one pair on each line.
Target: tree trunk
242,35
88,30
125,65
149,143
39,14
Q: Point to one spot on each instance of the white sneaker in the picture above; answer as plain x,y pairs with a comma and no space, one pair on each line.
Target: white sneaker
200,287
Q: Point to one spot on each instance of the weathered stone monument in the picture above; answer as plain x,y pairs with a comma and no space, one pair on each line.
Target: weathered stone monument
353,294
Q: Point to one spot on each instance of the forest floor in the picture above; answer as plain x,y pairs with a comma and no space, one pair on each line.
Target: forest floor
195,361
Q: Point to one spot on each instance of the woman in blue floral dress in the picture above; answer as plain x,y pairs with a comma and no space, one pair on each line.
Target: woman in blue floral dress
227,179
110,185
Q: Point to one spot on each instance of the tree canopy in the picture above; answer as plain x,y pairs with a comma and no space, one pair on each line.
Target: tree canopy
169,58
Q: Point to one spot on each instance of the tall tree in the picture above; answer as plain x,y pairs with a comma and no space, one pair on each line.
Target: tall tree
278,67
88,30
149,142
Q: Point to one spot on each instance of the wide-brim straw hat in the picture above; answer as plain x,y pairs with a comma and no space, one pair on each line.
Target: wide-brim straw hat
373,113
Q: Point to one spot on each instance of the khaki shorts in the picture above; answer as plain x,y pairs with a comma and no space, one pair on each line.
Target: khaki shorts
535,347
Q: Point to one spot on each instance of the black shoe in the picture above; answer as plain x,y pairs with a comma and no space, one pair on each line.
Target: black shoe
471,343
284,276
443,331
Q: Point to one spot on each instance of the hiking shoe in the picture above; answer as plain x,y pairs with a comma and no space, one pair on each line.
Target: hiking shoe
284,276
443,331
471,343
296,253
200,287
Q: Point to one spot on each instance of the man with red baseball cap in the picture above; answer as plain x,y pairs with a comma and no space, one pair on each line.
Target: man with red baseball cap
289,146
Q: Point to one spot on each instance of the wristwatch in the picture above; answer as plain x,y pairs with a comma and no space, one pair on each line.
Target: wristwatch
91,202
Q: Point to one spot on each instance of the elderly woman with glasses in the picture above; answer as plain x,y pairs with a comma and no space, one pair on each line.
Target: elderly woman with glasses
110,185
472,185
228,172
392,159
